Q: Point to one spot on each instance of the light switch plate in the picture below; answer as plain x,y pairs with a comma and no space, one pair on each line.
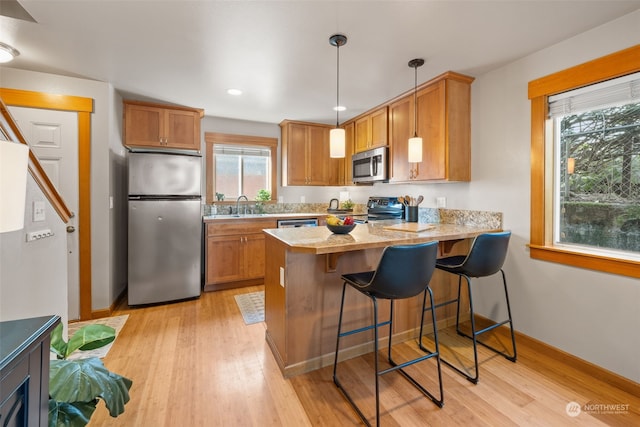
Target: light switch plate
441,202
38,211
282,276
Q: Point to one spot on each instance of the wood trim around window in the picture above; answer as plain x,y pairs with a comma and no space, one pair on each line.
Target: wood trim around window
211,138
617,64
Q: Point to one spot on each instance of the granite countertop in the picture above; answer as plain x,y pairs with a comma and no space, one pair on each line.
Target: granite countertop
320,240
209,218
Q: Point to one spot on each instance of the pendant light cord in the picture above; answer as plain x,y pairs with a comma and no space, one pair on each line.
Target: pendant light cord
415,102
337,84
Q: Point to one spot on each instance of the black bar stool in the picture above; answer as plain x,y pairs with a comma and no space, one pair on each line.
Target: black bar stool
485,258
404,271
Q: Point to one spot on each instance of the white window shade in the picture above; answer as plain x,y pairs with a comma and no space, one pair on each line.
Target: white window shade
622,90
242,151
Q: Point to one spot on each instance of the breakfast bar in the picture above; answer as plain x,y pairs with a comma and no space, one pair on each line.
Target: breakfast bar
303,287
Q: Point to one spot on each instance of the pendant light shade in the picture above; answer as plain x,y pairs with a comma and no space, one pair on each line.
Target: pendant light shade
415,143
337,143
337,136
14,159
415,149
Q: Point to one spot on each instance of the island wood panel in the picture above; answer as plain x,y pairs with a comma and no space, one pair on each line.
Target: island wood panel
275,301
302,317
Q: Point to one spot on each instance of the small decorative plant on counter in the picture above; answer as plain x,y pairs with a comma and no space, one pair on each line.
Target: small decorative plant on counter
347,204
262,196
219,197
76,385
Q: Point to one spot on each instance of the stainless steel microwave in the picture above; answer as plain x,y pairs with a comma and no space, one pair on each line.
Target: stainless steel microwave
370,165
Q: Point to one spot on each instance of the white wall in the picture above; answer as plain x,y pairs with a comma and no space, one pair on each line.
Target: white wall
33,275
102,141
589,314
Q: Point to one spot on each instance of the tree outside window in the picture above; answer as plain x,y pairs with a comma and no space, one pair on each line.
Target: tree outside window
598,188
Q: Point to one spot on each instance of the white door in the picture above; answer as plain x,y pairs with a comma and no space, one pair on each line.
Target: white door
53,136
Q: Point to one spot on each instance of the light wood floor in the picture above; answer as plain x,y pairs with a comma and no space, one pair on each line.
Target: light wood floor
196,363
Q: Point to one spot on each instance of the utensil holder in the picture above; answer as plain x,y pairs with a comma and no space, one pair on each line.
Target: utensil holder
412,214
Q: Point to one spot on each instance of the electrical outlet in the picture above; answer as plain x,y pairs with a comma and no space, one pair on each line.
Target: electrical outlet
282,276
441,202
302,199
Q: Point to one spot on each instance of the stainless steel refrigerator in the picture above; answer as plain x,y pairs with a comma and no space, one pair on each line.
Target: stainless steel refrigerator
165,227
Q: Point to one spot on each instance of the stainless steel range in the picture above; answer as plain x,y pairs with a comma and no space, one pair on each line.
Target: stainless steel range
379,208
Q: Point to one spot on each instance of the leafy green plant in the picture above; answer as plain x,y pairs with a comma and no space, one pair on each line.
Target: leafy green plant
263,195
347,204
76,385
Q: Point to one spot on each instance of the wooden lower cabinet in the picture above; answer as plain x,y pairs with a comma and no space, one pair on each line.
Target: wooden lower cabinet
235,253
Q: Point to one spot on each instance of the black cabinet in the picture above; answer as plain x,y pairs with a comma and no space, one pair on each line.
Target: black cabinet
24,371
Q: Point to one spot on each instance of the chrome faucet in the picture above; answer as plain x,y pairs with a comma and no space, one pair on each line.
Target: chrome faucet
238,204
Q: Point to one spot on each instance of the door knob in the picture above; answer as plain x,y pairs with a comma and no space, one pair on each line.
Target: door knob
70,229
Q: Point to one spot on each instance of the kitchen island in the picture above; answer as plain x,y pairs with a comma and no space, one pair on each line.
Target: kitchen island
303,288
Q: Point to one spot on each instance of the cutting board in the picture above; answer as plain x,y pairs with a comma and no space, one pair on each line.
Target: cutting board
415,227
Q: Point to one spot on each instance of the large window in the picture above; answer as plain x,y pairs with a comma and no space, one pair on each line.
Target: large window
597,167
585,165
239,165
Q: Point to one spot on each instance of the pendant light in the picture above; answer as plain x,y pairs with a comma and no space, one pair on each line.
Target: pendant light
337,135
415,142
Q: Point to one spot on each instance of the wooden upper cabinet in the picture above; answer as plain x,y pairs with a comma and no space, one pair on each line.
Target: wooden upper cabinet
444,123
371,130
347,171
305,155
400,130
161,126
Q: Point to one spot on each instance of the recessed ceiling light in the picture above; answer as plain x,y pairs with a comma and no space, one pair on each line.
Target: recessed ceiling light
339,108
7,53
234,92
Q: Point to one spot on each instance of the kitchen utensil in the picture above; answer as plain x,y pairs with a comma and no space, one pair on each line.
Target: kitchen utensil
420,199
407,199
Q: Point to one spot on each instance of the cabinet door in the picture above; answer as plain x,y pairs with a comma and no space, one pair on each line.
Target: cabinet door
319,166
349,132
182,130
362,134
253,249
296,154
400,130
378,128
143,125
431,127
224,259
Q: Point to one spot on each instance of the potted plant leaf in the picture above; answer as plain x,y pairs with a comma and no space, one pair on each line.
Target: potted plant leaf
262,196
76,385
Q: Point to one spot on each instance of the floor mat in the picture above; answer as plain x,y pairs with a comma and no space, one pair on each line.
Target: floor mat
251,306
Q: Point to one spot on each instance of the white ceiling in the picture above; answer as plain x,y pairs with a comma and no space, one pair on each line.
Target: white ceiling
278,52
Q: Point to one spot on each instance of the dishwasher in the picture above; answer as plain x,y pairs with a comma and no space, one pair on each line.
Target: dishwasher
297,222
